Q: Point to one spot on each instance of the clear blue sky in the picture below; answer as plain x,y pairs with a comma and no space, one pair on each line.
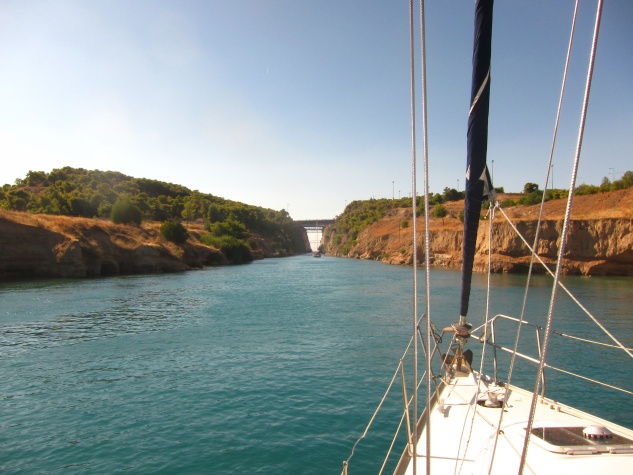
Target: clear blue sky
301,105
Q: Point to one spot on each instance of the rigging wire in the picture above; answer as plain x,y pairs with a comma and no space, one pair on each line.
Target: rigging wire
554,368
549,168
629,351
380,404
561,252
591,380
398,371
413,440
540,218
585,340
485,326
427,242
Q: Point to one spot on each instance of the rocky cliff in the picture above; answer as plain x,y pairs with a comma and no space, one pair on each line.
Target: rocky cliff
600,243
58,246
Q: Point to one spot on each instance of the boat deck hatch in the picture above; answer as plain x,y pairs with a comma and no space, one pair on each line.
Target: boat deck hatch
569,436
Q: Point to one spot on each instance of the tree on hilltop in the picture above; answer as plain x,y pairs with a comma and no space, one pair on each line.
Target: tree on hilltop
530,187
440,211
174,231
125,212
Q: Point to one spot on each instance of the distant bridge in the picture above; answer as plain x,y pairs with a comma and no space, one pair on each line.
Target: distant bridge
314,224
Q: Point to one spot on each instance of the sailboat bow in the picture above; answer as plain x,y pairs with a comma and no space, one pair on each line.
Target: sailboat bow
479,423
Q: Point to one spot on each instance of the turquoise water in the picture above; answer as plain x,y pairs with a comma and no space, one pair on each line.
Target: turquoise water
272,367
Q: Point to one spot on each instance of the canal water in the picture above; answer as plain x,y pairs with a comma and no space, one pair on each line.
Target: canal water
272,367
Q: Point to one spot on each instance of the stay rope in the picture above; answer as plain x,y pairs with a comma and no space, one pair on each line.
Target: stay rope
380,404
540,218
617,342
561,251
412,442
486,324
427,244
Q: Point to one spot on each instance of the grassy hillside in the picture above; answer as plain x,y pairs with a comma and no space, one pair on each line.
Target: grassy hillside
123,199
610,199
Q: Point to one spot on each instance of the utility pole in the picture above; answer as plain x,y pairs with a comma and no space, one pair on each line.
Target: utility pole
393,191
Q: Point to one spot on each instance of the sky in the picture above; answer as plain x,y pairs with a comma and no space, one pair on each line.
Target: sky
304,105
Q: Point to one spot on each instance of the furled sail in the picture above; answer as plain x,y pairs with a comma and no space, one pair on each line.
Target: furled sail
478,183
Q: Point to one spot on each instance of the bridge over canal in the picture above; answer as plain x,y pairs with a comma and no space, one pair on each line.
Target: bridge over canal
314,224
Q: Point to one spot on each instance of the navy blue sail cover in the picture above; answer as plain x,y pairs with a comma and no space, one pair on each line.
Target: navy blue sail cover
478,181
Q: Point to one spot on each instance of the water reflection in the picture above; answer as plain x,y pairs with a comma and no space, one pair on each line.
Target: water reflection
97,315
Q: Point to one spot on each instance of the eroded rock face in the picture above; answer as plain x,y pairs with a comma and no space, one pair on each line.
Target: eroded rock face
62,246
32,250
36,251
595,246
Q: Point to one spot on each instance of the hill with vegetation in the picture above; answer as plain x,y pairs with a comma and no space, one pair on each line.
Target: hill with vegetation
113,221
601,238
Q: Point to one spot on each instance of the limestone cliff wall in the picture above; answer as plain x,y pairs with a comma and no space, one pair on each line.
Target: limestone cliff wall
61,246
32,250
595,246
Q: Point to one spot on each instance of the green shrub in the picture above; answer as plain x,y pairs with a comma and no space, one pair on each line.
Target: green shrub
233,249
210,240
174,231
440,211
229,227
584,189
556,194
105,209
530,188
80,207
125,212
531,199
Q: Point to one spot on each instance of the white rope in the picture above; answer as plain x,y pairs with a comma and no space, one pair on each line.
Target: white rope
393,442
380,404
549,167
487,321
595,381
540,216
459,459
561,252
560,370
585,340
567,291
415,237
427,239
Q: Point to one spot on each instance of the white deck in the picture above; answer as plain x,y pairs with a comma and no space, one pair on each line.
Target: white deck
465,427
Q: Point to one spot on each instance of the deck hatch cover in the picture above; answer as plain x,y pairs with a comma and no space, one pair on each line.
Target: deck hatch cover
570,436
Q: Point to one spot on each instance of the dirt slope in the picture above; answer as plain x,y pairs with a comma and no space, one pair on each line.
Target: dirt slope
61,246
600,243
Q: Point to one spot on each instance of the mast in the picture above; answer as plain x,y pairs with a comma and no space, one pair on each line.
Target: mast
478,183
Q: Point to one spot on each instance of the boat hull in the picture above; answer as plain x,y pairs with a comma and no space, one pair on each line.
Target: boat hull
464,429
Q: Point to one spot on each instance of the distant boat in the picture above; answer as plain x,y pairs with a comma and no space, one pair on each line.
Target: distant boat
316,253
475,421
